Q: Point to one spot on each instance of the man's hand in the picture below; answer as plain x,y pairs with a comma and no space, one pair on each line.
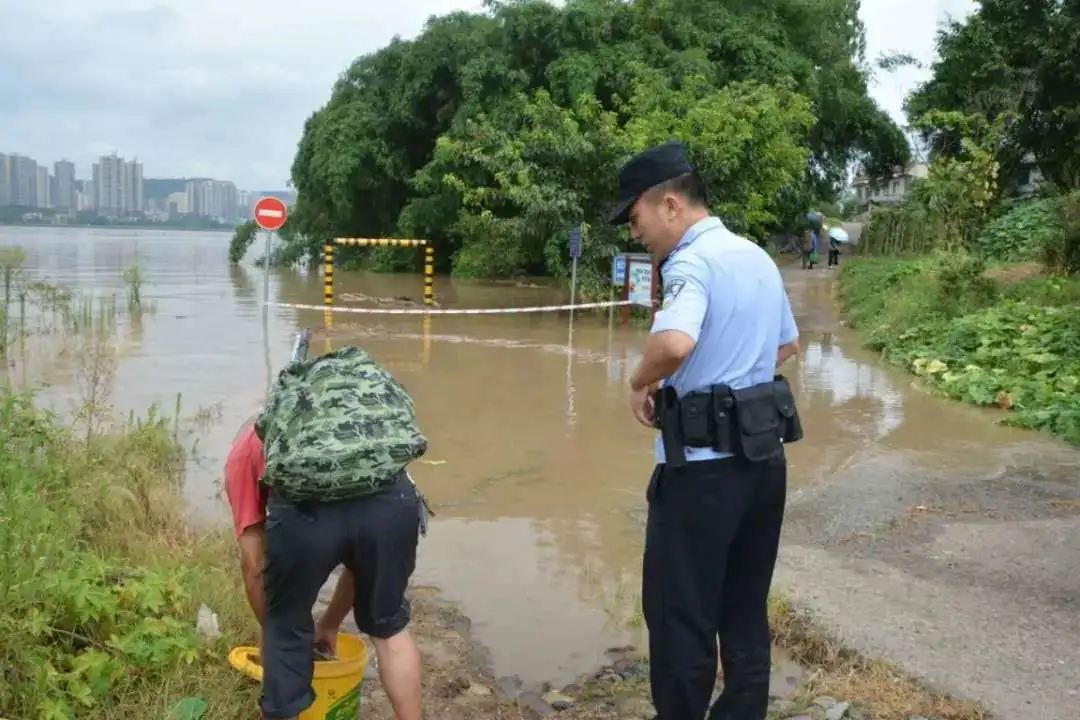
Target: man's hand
787,351
328,626
641,403
326,634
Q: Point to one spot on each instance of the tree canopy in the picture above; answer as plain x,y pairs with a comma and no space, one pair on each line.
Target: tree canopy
1015,59
491,134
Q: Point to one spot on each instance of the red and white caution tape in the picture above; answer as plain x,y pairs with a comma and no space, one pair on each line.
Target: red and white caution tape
453,311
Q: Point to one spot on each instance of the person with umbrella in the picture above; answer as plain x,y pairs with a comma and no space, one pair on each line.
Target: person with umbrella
837,236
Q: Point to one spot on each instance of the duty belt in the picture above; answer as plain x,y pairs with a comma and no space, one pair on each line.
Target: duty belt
754,423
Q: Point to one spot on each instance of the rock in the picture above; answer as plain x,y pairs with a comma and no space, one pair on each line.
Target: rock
478,689
825,701
630,668
837,711
457,686
557,700
801,717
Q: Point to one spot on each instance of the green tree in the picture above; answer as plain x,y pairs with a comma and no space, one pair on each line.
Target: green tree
491,134
1018,57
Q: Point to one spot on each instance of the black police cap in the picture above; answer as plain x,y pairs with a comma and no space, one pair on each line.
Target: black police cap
646,170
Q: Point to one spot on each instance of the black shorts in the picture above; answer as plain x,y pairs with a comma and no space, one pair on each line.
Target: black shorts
375,537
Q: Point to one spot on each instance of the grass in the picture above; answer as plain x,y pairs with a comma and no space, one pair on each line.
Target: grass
879,689
101,578
1003,336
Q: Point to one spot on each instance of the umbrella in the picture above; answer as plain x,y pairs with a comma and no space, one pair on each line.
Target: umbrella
839,235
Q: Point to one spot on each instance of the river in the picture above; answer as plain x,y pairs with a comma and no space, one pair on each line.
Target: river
536,468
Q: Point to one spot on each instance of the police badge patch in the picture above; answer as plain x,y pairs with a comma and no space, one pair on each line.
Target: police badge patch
672,290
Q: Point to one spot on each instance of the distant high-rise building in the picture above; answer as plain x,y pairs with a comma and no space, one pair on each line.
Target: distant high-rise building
84,195
212,199
64,198
42,188
24,181
118,186
5,180
134,181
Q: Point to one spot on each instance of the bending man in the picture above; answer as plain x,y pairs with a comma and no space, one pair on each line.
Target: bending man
287,552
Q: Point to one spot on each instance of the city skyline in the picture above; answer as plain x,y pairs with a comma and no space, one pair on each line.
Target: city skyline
116,188
222,90
87,171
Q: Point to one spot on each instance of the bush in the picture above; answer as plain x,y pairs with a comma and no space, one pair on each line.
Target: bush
242,238
888,298
1060,252
101,580
1021,233
1015,347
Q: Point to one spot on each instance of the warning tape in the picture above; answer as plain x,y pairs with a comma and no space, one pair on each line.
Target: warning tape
453,311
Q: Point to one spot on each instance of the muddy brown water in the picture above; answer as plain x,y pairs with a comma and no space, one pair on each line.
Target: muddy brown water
536,468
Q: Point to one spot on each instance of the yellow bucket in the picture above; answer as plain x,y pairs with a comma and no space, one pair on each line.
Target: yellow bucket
337,683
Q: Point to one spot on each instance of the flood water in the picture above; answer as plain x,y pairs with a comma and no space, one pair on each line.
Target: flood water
536,467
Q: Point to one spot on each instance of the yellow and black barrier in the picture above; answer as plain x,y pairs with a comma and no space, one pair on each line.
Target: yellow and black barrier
328,279
328,263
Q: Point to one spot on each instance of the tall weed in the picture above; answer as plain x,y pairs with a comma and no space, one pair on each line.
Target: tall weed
99,589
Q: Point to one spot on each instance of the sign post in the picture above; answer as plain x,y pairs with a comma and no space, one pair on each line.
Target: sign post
270,215
618,280
575,255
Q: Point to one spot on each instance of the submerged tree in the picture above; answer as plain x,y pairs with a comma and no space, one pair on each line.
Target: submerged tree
491,134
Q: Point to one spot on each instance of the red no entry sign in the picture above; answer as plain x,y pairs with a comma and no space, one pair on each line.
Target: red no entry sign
270,213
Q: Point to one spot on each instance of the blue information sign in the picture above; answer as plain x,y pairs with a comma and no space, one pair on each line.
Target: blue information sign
618,271
575,242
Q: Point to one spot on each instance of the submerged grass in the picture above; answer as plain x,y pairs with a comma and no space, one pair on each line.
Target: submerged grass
101,578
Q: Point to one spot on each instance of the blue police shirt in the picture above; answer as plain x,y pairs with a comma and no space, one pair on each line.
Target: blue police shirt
727,294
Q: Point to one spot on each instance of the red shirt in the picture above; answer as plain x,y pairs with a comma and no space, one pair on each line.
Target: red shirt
244,469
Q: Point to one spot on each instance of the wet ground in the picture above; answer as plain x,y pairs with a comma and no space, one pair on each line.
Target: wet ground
947,545
919,529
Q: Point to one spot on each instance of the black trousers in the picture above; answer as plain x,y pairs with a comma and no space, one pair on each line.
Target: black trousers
834,257
375,537
711,542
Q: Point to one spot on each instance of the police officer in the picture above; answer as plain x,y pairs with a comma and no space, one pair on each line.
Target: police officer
716,496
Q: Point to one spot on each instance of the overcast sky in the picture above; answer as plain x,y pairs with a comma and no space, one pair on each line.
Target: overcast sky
221,88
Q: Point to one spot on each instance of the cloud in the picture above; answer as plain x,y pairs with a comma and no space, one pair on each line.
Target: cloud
222,88
898,26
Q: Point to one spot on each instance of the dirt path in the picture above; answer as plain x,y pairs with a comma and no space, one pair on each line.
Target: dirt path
961,566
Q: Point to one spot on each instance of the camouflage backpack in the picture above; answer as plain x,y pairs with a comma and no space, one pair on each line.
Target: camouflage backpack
337,426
